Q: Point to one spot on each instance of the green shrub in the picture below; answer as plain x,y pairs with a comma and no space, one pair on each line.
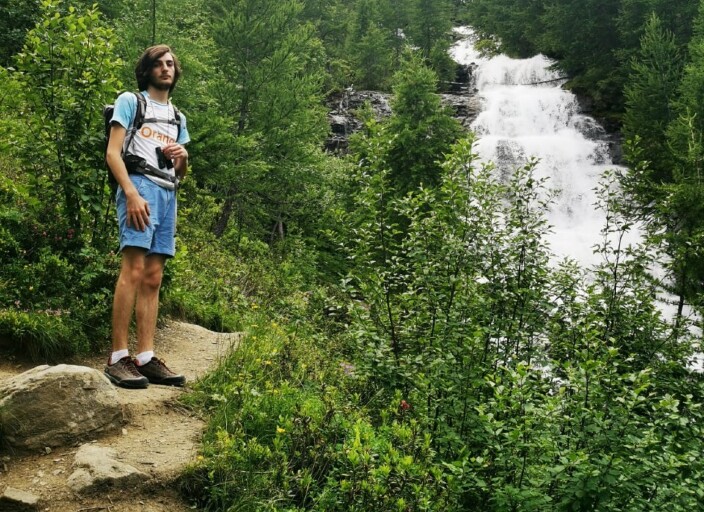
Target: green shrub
288,432
43,336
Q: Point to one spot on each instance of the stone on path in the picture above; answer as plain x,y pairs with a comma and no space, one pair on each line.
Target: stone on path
50,406
97,467
16,500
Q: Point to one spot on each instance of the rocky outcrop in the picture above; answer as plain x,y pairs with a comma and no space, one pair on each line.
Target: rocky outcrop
141,467
50,406
344,107
344,118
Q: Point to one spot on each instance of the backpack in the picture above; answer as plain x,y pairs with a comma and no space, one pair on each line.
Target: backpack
137,122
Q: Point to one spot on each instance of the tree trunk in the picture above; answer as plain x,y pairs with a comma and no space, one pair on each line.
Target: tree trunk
224,217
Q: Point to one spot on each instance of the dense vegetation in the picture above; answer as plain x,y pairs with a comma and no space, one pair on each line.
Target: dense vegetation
593,40
409,342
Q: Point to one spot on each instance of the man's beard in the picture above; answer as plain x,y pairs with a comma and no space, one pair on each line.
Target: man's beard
160,85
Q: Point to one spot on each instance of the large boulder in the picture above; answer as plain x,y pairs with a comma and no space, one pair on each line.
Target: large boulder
51,406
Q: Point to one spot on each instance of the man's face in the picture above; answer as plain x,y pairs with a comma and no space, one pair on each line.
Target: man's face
163,70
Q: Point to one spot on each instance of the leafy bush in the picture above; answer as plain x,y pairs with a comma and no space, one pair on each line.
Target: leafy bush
41,335
287,433
56,289
542,389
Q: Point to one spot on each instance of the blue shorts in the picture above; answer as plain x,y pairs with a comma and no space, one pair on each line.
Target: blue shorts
159,236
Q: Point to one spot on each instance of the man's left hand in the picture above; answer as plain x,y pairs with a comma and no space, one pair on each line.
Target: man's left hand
174,151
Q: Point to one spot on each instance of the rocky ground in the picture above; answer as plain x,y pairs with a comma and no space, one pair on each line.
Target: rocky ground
159,437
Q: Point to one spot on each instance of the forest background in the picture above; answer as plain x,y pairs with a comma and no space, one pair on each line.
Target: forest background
410,342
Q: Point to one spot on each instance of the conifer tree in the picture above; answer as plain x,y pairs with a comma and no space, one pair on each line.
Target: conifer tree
269,86
429,30
692,86
650,92
420,130
683,210
370,47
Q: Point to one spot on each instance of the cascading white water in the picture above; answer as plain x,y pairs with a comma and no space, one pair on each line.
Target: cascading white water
525,113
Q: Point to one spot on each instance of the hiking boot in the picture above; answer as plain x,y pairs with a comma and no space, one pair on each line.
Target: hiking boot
158,373
124,373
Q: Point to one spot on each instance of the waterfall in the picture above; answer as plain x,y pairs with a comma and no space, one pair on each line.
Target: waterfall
525,113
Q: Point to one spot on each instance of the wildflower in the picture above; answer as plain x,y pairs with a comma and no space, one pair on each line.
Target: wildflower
280,430
405,405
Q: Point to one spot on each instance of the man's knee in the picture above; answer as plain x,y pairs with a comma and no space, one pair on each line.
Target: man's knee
133,265
153,271
152,278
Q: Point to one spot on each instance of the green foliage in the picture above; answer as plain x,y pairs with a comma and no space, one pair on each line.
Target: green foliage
16,18
270,86
464,373
371,60
650,93
458,367
692,84
311,442
532,401
663,117
518,24
52,292
215,282
420,130
592,41
43,336
57,274
430,30
67,70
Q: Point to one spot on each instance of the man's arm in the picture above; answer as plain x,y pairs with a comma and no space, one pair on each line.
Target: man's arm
137,206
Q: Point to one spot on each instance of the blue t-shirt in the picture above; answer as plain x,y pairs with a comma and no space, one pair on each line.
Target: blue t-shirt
153,134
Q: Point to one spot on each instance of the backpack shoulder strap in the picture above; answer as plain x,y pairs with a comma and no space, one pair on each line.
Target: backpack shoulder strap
177,118
141,110
138,119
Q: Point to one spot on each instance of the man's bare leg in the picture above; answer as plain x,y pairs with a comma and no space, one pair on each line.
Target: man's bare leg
147,305
147,309
126,289
121,369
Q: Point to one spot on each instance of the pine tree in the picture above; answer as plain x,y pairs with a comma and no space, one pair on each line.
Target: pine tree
650,92
269,87
410,144
429,30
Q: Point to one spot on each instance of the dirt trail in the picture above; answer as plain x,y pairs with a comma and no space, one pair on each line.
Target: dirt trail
159,438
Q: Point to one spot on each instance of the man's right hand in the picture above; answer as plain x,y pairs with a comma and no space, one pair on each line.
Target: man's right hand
137,211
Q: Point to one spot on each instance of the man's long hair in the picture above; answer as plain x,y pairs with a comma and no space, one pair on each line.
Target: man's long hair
146,62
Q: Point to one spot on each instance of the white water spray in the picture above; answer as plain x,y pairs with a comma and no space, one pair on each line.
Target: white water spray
525,113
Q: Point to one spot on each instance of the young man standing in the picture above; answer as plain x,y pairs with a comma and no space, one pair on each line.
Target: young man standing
147,163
